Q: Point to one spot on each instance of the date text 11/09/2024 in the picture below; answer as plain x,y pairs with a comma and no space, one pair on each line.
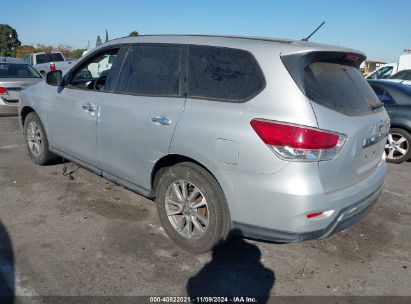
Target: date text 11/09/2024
238,299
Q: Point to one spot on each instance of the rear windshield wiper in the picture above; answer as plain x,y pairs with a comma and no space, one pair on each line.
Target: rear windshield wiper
375,106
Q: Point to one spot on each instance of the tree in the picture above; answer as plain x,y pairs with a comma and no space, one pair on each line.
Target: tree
133,34
77,53
66,50
24,50
43,48
9,40
106,36
98,40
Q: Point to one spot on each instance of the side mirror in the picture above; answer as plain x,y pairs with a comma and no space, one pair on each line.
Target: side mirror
54,78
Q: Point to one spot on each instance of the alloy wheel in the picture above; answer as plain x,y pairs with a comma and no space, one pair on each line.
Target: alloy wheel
35,138
187,209
397,146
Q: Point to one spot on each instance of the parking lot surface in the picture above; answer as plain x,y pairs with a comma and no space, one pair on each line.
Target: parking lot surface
88,236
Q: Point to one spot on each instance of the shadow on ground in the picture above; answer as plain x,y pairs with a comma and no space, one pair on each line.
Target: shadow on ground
235,270
6,267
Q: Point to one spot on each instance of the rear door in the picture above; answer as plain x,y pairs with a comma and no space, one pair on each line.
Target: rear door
344,102
137,120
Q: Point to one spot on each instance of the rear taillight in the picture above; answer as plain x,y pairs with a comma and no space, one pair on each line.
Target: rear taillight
52,67
293,142
3,91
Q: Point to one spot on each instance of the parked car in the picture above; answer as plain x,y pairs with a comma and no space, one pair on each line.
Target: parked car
45,62
402,76
280,140
397,101
15,76
385,71
369,66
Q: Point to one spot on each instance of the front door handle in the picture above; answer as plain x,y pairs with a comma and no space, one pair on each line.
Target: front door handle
89,107
162,120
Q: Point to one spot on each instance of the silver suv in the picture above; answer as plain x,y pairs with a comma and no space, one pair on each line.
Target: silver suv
276,139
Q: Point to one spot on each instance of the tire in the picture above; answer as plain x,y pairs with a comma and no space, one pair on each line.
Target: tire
398,149
205,235
36,139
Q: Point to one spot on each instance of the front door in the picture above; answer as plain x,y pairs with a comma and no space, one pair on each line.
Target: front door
75,110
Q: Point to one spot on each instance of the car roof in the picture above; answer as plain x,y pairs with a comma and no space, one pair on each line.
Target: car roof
11,60
161,37
230,41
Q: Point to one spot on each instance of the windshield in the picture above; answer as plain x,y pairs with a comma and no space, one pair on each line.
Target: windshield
11,70
50,57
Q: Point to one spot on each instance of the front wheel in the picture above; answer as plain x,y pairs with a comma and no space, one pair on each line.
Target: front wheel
37,142
397,149
192,207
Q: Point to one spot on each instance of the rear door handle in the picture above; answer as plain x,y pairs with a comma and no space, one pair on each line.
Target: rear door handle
89,107
162,120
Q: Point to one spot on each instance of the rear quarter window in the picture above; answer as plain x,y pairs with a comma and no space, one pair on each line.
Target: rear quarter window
223,74
338,87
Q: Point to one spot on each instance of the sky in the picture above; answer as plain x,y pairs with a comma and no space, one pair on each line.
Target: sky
380,28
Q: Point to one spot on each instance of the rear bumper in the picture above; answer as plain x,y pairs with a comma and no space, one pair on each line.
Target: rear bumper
344,219
274,207
7,109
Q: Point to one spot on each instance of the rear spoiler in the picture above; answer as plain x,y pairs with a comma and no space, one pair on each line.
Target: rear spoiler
296,63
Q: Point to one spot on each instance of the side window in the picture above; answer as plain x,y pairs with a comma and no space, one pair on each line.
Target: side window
152,70
223,74
94,72
26,59
383,96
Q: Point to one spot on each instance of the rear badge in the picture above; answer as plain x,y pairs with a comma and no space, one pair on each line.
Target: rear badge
380,131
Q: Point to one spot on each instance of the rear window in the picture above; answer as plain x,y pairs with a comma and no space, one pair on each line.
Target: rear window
223,74
338,87
49,57
10,70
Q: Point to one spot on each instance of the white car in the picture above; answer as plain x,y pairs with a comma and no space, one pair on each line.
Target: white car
387,70
45,62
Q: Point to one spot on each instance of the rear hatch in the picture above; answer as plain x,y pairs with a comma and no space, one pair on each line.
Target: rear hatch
343,102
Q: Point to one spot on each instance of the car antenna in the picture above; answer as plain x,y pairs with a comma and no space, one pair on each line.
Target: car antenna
315,31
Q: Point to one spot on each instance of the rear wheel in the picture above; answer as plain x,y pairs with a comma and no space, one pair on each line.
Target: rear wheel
37,142
397,149
192,207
